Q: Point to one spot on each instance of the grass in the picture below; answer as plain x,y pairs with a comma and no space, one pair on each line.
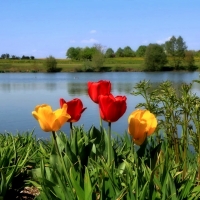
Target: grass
67,65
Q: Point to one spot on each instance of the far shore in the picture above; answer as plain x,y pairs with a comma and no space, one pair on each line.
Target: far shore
133,64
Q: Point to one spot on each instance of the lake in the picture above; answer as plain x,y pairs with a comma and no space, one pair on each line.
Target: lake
21,92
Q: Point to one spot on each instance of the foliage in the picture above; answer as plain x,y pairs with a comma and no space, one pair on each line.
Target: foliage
18,154
74,53
87,53
109,53
175,48
51,64
77,167
119,52
141,51
155,58
97,60
128,52
189,60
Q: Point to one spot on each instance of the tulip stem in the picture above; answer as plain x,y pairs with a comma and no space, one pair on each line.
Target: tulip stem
61,158
101,127
109,143
71,130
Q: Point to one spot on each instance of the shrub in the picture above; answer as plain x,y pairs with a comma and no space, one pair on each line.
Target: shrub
51,64
155,58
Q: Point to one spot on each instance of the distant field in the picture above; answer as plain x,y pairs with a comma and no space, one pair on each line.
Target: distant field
67,65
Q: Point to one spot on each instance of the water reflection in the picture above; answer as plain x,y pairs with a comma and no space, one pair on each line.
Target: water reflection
77,88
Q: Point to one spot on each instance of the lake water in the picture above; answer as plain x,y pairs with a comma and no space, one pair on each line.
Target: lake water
21,92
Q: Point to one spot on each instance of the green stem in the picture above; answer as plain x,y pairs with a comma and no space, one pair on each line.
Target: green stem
109,144
71,130
101,126
185,143
61,159
198,133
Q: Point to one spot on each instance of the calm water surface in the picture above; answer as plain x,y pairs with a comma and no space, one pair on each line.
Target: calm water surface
21,92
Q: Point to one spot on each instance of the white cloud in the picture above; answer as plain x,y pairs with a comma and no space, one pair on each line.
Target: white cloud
92,40
93,31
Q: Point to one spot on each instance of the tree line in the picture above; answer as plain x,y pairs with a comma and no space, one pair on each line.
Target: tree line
7,56
173,52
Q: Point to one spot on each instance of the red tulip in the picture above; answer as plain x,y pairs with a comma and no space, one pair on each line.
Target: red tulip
112,108
75,108
98,88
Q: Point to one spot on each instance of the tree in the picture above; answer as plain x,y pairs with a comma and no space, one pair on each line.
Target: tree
87,52
155,57
5,56
175,48
110,53
74,53
51,64
189,60
119,52
128,52
25,57
141,51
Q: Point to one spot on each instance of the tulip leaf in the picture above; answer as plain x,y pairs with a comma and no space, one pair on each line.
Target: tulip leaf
88,189
78,189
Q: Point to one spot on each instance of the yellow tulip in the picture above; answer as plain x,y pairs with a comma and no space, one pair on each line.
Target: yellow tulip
50,120
141,123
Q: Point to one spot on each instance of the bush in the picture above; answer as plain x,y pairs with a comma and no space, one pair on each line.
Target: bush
189,61
51,64
155,58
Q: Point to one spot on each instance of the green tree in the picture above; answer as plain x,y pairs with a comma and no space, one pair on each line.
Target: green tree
74,53
51,64
175,49
155,57
98,60
189,61
87,52
128,52
98,57
119,52
141,51
109,53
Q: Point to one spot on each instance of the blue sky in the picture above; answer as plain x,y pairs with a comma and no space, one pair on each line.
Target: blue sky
49,27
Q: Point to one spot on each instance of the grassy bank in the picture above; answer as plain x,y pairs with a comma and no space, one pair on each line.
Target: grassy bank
110,64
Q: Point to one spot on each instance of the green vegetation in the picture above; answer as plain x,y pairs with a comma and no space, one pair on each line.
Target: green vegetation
97,58
155,58
50,64
165,166
68,65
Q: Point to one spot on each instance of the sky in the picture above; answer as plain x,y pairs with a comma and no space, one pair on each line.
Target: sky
41,28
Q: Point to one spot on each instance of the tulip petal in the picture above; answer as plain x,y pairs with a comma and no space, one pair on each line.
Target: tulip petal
98,88
62,101
141,124
44,116
93,91
111,108
74,109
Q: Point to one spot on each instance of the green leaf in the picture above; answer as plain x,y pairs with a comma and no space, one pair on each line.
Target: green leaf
87,185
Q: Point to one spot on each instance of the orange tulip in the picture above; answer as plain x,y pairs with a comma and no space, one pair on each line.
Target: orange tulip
50,120
141,123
